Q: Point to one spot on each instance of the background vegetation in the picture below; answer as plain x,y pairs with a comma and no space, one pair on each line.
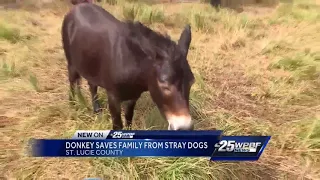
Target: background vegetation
257,73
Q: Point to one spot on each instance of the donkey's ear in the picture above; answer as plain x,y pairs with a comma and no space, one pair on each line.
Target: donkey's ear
185,39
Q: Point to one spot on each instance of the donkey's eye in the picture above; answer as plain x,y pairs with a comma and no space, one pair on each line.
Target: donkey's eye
165,87
162,81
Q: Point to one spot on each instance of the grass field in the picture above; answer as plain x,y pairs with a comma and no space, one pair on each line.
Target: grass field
257,73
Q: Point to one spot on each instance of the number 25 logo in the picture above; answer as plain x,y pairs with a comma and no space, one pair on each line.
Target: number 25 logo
226,146
116,135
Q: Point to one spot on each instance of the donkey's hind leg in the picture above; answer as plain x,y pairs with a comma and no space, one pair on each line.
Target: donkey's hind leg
74,79
95,103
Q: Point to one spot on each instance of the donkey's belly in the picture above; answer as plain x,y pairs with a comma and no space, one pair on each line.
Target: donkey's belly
129,91
90,69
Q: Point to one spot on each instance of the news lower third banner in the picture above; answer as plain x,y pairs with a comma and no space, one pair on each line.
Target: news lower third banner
111,143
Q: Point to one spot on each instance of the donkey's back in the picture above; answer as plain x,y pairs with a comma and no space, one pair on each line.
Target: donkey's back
89,35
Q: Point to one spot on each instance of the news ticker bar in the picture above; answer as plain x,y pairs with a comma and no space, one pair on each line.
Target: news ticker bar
111,143
143,134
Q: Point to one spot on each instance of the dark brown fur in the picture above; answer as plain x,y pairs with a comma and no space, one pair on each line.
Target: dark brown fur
75,2
127,59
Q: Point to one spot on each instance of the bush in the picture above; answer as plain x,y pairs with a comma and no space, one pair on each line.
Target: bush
144,13
10,34
151,15
130,11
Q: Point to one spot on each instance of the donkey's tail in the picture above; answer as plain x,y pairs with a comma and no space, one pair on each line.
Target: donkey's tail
65,38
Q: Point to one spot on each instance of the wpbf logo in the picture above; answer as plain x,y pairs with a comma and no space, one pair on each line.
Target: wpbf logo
233,146
120,134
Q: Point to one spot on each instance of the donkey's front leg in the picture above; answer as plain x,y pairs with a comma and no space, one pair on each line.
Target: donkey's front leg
115,111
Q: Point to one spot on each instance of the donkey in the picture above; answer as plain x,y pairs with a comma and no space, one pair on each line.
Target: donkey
75,2
127,59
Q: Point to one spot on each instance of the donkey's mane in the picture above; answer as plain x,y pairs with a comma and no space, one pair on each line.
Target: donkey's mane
155,39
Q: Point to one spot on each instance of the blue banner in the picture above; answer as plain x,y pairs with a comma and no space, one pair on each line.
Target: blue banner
153,144
240,148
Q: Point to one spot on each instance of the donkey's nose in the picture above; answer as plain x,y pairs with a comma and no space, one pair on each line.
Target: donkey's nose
180,123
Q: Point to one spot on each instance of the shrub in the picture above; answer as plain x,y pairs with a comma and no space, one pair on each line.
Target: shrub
10,34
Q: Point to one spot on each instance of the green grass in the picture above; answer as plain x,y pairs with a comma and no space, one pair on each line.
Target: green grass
143,13
10,34
34,82
304,66
130,11
310,133
10,70
297,11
